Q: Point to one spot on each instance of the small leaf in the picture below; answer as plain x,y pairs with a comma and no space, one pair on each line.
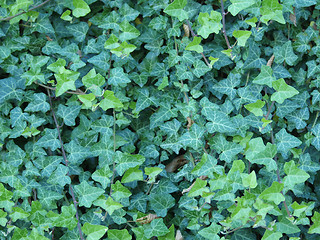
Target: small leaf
255,108
115,234
209,23
87,194
175,9
265,76
239,5
242,36
94,232
194,45
156,229
283,91
110,101
81,8
273,193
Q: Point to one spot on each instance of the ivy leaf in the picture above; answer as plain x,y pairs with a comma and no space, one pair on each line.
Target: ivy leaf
110,101
128,13
285,53
283,91
315,227
194,45
144,99
192,138
101,61
239,5
59,176
272,10
161,203
156,229
164,113
103,176
81,8
87,194
126,161
241,36
128,31
313,68
109,205
227,150
65,81
219,122
286,141
118,77
175,9
79,30
68,114
255,108
316,140
66,218
253,60
210,24
94,232
115,234
210,232
119,191
273,193
132,174
93,82
294,175
49,139
265,76
39,103
11,88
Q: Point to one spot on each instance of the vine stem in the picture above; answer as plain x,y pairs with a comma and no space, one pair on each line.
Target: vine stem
224,24
195,35
114,149
77,92
66,163
20,13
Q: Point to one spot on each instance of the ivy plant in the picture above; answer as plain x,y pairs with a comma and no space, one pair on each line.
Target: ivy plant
159,119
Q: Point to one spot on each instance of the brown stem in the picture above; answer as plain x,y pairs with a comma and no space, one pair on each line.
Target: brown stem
20,13
77,92
66,163
224,25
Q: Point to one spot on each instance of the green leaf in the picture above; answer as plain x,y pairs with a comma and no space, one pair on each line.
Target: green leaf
152,172
68,114
255,108
315,227
286,141
132,174
209,23
87,194
192,138
60,176
211,232
253,60
119,191
249,180
57,66
112,42
81,8
242,36
49,139
126,161
94,232
65,81
115,234
161,203
103,176
156,229
265,76
18,213
283,91
271,10
273,193
194,45
175,9
79,30
294,175
109,205
239,5
118,77
285,53
110,101
128,31
66,15
67,218
93,82
198,188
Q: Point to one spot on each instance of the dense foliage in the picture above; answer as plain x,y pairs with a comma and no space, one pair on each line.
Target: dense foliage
158,119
